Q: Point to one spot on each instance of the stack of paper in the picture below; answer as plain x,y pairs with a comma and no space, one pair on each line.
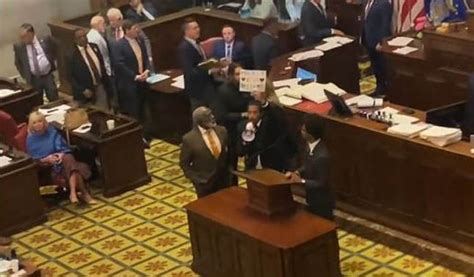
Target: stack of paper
8,92
441,136
315,92
288,101
178,82
338,39
301,56
364,101
405,50
55,113
327,46
155,78
4,161
286,83
400,41
408,130
230,5
403,119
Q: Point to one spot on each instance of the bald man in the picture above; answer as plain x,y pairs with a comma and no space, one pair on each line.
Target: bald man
203,155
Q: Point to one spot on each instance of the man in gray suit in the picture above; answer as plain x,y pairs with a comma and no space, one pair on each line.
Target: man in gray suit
35,60
203,155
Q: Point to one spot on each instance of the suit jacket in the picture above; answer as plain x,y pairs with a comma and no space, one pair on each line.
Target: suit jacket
22,62
79,74
315,171
197,161
264,49
271,141
110,37
132,14
197,82
314,25
238,51
377,23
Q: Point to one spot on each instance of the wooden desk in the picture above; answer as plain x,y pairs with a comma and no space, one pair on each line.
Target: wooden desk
119,151
230,239
170,109
407,184
424,81
165,35
21,104
21,204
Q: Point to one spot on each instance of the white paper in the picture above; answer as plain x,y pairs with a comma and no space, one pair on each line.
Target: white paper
84,128
400,41
178,82
230,5
282,91
56,117
356,99
301,56
4,161
287,82
338,39
327,46
405,50
253,80
403,119
288,101
389,110
58,109
8,92
155,78
441,136
408,130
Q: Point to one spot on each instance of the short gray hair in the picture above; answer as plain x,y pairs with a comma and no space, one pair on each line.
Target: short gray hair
201,115
96,20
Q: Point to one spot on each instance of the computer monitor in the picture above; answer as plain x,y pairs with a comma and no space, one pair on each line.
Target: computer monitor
339,106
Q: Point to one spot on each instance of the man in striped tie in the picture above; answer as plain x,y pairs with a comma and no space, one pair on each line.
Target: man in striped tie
203,155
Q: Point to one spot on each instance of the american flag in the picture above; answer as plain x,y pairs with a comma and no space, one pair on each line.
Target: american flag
405,13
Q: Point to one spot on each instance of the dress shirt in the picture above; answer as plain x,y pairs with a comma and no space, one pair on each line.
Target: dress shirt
293,7
138,53
95,37
94,58
312,145
196,46
367,8
118,33
43,63
259,162
266,9
212,133
147,14
228,50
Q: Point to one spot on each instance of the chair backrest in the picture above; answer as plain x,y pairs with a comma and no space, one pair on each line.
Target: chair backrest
8,129
208,45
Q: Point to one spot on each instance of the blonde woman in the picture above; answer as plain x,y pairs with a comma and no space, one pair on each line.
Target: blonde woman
45,144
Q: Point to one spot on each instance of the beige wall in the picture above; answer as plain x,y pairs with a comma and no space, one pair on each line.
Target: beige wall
37,12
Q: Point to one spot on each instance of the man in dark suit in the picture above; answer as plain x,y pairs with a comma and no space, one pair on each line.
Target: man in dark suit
198,82
203,156
262,139
377,26
264,45
35,60
132,72
314,24
140,12
228,48
86,72
314,170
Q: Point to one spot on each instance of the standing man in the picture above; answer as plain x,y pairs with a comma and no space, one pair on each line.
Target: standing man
377,26
132,72
314,170
203,156
140,12
264,45
87,72
314,23
35,60
198,82
228,48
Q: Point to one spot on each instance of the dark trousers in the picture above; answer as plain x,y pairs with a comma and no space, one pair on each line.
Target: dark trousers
379,68
45,84
216,183
133,103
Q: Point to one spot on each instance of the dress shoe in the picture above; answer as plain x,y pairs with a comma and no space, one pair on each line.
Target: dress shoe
4,241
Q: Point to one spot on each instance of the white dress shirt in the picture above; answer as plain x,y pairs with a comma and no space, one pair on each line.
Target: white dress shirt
264,10
228,50
259,162
147,14
212,132
313,145
43,63
95,37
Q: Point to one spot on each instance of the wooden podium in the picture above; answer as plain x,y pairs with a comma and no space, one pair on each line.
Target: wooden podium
233,235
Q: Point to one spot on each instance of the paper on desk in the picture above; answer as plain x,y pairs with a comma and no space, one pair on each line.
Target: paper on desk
4,161
58,109
178,82
282,91
56,117
286,83
405,50
230,5
408,130
84,128
288,101
400,41
301,56
327,46
8,92
359,98
315,91
441,136
403,119
338,39
155,78
389,110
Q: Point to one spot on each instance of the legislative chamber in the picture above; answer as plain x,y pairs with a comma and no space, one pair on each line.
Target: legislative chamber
245,138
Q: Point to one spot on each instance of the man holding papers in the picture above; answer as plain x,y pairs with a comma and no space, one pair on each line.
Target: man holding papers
314,25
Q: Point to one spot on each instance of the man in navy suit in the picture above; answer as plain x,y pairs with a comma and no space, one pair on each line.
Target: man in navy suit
314,25
140,12
377,26
228,48
132,68
198,82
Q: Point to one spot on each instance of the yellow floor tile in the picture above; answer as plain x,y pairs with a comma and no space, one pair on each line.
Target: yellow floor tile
183,230
133,202
59,248
439,271
157,164
56,216
165,242
104,213
156,266
92,234
163,190
34,258
73,225
172,157
80,258
181,199
134,255
173,220
169,173
381,253
385,272
183,253
354,243
40,238
410,265
112,245
103,267
154,210
344,254
123,222
356,266
126,273
180,272
183,182
144,232
52,269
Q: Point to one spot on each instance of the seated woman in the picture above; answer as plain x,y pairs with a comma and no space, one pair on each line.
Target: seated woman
45,144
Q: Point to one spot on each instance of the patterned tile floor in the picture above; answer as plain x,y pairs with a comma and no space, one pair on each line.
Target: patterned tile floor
144,233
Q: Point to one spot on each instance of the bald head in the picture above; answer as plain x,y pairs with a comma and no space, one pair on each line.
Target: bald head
203,117
98,23
115,17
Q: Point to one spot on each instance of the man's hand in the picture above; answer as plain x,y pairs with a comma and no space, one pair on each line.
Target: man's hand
337,32
88,93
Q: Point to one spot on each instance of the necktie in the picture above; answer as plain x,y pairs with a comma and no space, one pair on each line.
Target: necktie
228,52
92,66
367,8
35,60
214,149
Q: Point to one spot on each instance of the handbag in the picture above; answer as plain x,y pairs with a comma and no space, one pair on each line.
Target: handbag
74,118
